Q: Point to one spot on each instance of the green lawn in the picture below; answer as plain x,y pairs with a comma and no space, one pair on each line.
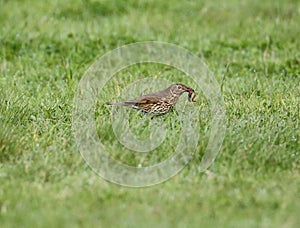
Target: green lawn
253,49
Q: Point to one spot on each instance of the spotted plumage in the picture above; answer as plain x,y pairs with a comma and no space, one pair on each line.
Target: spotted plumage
159,102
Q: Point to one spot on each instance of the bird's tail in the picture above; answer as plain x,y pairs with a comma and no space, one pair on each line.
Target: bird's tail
126,103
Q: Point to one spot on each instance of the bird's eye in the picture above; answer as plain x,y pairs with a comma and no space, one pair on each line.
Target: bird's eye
179,87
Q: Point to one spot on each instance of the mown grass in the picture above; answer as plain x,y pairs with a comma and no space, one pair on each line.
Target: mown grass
252,47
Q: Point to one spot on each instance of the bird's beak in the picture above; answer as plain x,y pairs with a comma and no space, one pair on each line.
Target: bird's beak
189,90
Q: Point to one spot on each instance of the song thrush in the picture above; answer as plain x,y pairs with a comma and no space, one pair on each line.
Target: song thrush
161,102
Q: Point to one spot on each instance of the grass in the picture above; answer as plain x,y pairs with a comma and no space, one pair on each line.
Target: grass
252,47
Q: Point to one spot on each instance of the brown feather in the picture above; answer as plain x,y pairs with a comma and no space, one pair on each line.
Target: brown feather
159,102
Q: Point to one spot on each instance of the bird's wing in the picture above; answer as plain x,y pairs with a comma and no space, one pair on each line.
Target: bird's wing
146,99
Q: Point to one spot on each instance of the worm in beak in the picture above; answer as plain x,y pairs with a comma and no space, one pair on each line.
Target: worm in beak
192,94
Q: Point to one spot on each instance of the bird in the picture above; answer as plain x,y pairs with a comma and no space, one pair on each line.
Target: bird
161,102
